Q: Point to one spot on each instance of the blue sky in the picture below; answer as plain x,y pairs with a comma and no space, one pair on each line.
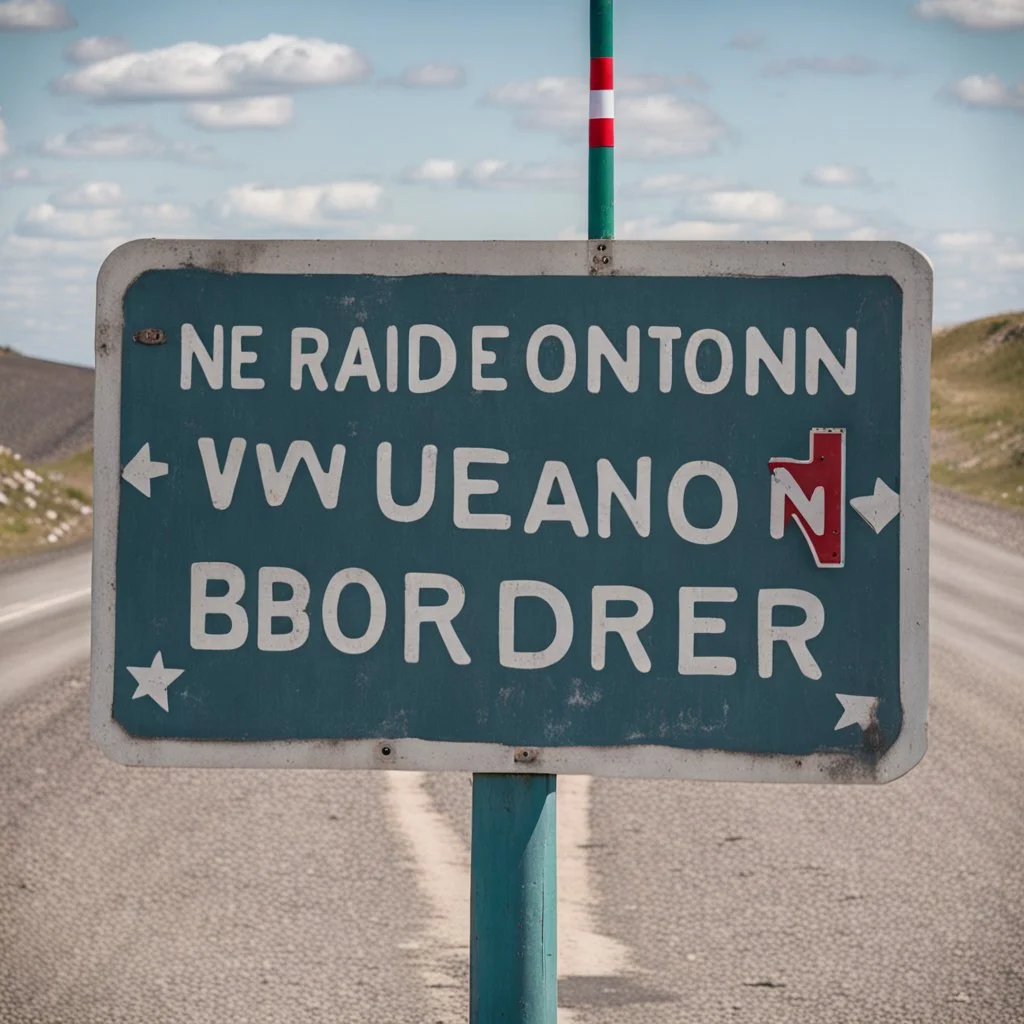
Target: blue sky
890,119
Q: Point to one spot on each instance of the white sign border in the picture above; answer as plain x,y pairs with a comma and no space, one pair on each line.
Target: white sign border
905,265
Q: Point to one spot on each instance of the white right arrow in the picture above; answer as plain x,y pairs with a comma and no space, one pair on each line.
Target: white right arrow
879,508
857,710
142,470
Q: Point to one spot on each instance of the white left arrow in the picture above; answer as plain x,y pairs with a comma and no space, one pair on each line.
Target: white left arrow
857,710
142,470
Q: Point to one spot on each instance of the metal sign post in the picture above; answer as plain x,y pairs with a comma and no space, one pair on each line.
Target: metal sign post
601,178
513,966
513,975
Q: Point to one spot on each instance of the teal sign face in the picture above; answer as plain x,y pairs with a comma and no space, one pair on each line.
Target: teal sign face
471,505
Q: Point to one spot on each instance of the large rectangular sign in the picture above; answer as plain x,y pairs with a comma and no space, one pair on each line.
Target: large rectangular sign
612,508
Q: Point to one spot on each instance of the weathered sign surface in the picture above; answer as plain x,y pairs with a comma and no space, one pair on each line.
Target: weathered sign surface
614,508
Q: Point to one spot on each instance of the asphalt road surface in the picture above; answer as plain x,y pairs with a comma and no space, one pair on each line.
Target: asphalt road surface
165,895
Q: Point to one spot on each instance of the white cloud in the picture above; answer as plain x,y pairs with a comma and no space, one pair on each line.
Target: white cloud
45,220
21,248
824,217
5,147
744,205
981,266
97,210
650,123
122,142
798,225
433,75
492,173
27,176
91,49
979,14
251,112
718,212
433,171
196,71
550,103
662,125
763,210
672,185
163,216
502,174
300,205
853,64
838,176
34,15
959,240
696,230
987,91
91,195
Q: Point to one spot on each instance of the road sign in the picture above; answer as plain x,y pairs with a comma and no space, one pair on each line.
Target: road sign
623,508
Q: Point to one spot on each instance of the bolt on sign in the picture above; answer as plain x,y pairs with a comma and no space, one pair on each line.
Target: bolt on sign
623,508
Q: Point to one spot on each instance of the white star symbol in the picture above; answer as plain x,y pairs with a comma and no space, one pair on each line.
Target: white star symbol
154,679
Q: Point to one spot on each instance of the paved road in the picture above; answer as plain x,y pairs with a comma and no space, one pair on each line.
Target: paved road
44,620
183,896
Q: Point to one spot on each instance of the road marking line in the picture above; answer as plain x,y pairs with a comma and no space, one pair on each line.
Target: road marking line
582,949
24,611
442,870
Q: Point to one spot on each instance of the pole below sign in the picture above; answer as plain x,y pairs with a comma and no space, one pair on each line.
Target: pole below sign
513,958
513,900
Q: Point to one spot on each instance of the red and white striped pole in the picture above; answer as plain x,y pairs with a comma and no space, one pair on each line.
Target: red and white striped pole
602,102
601,194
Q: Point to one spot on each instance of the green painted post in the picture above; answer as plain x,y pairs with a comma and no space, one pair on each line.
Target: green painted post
513,964
513,976
601,178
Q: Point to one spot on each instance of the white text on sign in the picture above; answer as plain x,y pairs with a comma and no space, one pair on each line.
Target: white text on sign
230,357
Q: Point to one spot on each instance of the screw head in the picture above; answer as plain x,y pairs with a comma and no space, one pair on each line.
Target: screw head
149,336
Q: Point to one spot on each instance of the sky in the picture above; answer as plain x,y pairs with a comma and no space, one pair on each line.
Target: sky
466,119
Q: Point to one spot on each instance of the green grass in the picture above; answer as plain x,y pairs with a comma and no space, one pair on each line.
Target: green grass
978,409
44,506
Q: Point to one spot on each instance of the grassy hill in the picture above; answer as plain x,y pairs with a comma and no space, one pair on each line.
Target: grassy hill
45,506
978,408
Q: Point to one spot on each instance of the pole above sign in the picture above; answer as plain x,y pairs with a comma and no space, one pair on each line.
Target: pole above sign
648,509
